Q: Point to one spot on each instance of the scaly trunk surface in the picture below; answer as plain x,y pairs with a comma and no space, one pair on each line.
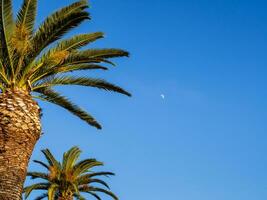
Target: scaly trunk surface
65,198
19,131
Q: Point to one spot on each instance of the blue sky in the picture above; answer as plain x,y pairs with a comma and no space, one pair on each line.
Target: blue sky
207,139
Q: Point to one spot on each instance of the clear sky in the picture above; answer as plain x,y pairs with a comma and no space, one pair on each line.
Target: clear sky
207,139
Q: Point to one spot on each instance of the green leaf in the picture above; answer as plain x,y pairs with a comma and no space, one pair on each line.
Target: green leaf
101,174
94,195
81,81
59,23
27,14
46,71
52,191
70,158
55,98
85,165
45,195
98,181
51,159
104,191
6,29
42,164
37,186
94,56
35,175
76,42
3,76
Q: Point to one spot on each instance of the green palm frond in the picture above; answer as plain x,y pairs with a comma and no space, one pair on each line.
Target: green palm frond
6,29
94,195
50,71
94,56
51,159
74,43
98,181
64,48
51,193
57,24
101,174
81,81
70,158
41,163
45,195
84,165
53,28
55,98
27,14
21,38
35,175
71,68
50,63
85,179
3,75
95,189
37,186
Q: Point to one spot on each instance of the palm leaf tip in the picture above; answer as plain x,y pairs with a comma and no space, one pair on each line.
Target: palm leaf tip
54,97
81,81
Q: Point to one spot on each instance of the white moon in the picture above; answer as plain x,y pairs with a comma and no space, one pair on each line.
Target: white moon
162,96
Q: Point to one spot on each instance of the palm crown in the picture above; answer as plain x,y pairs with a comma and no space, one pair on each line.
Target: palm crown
69,178
36,60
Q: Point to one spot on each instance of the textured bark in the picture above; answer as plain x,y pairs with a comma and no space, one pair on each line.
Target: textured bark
19,131
65,198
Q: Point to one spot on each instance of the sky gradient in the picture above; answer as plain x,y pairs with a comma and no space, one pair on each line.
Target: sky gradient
207,139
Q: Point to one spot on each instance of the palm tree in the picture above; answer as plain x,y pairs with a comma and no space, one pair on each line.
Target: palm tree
33,61
68,179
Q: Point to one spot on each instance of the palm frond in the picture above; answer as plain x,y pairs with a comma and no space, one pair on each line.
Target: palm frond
50,62
94,195
74,43
49,71
70,158
55,98
52,191
42,164
71,68
94,189
45,195
21,37
84,165
101,174
6,29
98,181
64,47
81,81
92,55
27,14
57,24
3,75
35,175
37,186
85,179
51,159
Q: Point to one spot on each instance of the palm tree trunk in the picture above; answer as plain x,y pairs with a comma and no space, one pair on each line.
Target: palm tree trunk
65,198
19,131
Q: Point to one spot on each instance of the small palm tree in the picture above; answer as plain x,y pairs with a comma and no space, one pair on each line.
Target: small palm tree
68,179
33,61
